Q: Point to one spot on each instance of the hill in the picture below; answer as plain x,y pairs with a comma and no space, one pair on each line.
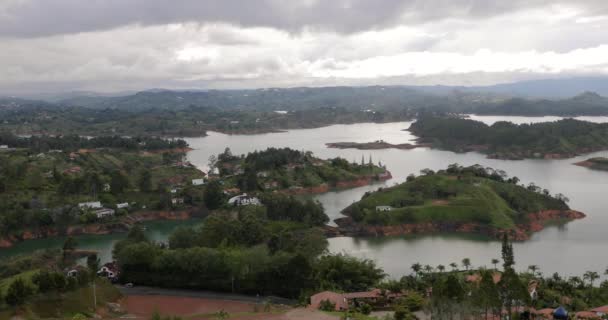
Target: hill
505,140
460,199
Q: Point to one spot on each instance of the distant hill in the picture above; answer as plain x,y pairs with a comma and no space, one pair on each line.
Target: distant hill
550,88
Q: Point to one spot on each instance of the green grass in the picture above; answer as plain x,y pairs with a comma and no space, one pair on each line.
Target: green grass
27,277
442,198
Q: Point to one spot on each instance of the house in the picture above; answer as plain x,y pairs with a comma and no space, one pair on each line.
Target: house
176,201
601,311
72,170
106,187
198,182
4,147
344,301
104,212
109,271
587,315
90,205
262,174
244,200
383,208
123,205
173,190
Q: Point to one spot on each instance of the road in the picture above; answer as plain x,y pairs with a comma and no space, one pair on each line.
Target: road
153,291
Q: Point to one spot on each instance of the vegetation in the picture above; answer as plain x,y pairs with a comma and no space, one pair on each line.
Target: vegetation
599,163
42,189
458,194
505,140
288,169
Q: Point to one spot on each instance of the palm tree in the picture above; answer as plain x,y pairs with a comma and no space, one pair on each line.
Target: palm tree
606,272
495,263
416,267
533,268
591,276
441,268
454,266
428,269
466,263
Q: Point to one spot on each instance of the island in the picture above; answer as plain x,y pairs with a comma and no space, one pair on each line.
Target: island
378,144
504,140
292,172
459,199
598,163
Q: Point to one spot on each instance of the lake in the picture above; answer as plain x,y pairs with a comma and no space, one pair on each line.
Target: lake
571,248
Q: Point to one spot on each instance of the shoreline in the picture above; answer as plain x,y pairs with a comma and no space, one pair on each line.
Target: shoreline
121,226
522,232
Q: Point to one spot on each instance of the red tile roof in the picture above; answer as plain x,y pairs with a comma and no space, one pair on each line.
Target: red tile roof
603,309
587,315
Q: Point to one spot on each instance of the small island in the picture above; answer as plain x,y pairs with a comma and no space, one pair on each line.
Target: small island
598,163
376,145
561,139
292,172
459,199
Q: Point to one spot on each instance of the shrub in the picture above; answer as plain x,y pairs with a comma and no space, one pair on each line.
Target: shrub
327,305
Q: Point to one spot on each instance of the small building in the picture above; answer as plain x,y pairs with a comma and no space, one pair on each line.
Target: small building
601,311
244,200
106,187
587,315
262,174
3,147
90,205
104,212
109,271
177,201
344,301
384,208
198,182
123,205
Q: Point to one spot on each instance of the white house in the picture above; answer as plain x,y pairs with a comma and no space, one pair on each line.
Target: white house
104,212
177,201
122,205
244,200
72,273
3,146
383,208
198,182
90,205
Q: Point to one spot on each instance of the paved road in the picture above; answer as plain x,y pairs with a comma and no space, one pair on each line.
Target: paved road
152,291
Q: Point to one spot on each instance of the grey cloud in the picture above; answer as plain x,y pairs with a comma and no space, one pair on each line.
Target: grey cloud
35,18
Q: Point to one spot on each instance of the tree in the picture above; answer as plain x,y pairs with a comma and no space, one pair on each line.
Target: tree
533,268
507,253
495,263
145,181
93,263
454,266
416,267
118,183
466,263
213,196
441,268
17,292
591,276
486,296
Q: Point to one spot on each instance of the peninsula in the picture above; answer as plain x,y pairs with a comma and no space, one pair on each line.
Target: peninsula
504,140
598,163
378,144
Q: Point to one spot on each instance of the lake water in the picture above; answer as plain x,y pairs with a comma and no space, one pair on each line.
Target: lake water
572,248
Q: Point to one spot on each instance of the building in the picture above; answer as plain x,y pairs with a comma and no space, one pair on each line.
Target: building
104,212
4,147
198,182
601,311
109,271
177,201
344,301
123,205
383,208
106,187
90,205
244,200
587,315
72,170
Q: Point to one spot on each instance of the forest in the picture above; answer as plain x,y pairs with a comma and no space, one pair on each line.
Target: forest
505,140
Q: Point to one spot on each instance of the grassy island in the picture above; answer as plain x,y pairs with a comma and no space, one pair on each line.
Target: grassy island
460,199
505,140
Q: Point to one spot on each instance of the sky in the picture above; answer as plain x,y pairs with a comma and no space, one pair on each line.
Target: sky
121,45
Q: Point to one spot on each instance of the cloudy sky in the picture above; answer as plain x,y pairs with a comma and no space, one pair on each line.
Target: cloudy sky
114,45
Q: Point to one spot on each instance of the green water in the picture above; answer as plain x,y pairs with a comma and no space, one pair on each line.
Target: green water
157,231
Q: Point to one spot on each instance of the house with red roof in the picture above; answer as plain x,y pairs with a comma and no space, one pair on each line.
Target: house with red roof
343,301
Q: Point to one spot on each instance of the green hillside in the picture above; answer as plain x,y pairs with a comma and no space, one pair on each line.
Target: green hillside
457,195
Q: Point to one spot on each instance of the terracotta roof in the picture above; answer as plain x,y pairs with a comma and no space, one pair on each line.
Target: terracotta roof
496,276
333,297
587,315
603,309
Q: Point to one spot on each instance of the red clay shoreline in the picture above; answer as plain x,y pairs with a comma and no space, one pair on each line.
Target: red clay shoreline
536,222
